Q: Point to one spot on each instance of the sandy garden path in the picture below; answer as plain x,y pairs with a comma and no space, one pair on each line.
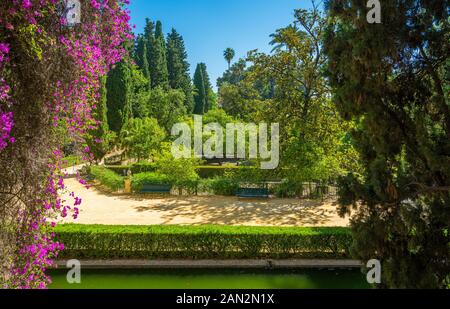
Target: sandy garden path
100,208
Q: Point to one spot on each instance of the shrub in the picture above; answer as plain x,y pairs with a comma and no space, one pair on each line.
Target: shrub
107,177
190,186
252,174
143,167
180,171
141,137
139,180
288,189
202,242
120,170
219,186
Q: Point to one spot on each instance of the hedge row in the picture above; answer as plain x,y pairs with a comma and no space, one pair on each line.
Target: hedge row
134,168
107,177
203,171
139,180
201,242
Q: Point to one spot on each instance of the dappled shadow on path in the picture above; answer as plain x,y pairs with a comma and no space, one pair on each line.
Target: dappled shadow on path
101,207
232,211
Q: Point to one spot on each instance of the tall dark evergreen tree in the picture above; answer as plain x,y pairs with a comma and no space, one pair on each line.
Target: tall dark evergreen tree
97,139
149,37
118,86
178,67
141,56
209,94
149,31
200,96
392,80
158,57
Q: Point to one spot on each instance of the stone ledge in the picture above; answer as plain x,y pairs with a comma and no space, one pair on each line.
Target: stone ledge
214,264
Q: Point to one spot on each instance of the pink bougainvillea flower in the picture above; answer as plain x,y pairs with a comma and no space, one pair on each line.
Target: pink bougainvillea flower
92,48
26,4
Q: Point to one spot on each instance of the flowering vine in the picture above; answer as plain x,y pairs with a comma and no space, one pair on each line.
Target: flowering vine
49,79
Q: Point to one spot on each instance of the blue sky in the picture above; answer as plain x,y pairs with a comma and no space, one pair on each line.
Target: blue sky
210,26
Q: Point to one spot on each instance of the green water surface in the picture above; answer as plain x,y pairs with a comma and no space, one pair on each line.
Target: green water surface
212,279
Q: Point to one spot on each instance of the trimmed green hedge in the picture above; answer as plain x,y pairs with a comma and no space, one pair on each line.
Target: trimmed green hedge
136,168
139,180
120,170
201,242
203,171
107,177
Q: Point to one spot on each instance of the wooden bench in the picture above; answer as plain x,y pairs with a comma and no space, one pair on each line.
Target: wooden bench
156,189
259,191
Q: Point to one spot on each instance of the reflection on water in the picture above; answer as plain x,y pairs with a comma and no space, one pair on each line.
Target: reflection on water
212,279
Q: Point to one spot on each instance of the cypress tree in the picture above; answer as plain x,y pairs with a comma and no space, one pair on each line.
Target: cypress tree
178,67
209,95
149,32
200,95
158,58
118,89
141,56
149,36
97,139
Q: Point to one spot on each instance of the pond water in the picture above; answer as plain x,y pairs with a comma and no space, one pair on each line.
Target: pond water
212,279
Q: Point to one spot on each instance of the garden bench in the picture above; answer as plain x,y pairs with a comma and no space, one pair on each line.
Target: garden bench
162,189
89,177
261,191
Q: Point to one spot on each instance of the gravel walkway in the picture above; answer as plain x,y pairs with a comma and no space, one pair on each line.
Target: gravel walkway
101,208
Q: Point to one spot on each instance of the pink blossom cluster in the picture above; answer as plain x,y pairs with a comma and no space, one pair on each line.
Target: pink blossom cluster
6,125
94,53
6,118
92,48
38,247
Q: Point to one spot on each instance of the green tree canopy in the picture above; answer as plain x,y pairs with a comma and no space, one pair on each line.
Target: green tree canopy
178,67
204,97
118,86
200,94
158,59
139,93
233,75
312,135
392,80
97,139
166,106
141,56
142,137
